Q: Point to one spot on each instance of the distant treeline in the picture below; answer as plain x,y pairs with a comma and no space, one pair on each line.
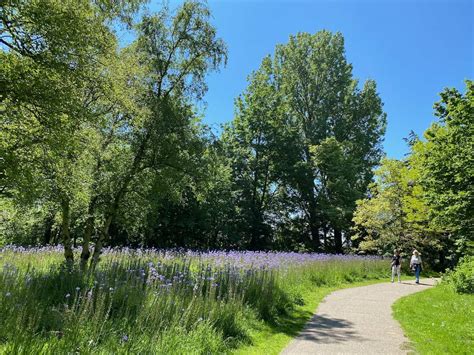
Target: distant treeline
104,145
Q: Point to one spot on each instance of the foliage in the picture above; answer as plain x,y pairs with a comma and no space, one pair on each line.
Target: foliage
462,277
57,81
395,217
437,321
120,157
446,166
157,300
249,144
124,119
103,146
425,201
303,144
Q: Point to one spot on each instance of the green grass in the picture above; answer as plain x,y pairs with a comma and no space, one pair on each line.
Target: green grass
269,338
122,308
438,320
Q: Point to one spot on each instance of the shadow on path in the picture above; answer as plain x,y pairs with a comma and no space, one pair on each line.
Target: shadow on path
415,284
324,329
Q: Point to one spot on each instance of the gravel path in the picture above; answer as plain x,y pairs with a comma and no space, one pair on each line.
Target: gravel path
357,321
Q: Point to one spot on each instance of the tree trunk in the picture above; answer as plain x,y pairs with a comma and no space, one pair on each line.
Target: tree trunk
325,238
338,240
315,236
65,233
104,232
257,232
48,231
314,228
85,253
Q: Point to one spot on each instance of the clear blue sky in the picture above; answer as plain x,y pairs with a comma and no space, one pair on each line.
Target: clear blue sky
411,48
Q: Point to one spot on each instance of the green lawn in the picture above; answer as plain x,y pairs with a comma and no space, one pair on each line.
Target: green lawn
438,321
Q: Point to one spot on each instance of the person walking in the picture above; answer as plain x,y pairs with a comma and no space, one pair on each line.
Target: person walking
396,265
415,264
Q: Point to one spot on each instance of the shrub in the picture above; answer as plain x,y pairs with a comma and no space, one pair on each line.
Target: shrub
462,277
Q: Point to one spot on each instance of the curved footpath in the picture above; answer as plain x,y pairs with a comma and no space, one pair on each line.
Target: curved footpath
357,321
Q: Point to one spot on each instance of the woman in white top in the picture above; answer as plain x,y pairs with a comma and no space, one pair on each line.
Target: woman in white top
415,264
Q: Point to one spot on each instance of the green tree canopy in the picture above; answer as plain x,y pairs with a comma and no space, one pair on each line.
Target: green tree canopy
426,200
308,136
445,160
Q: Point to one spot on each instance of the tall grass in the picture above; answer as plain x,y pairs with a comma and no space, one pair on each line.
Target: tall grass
157,301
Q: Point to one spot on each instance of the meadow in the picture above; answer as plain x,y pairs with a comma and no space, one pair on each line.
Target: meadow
162,301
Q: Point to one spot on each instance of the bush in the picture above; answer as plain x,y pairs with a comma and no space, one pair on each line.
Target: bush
462,278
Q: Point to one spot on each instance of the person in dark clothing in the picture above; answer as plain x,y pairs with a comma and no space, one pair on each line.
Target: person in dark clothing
396,265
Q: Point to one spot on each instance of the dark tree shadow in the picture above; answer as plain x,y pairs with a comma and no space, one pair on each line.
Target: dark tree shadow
324,330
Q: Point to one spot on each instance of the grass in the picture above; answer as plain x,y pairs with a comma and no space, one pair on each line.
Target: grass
154,302
438,320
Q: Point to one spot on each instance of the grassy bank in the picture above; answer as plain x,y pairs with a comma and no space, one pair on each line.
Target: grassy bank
167,302
438,321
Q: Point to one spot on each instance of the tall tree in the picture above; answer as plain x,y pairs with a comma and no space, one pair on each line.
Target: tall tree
324,133
324,102
426,201
53,57
446,163
250,144
176,53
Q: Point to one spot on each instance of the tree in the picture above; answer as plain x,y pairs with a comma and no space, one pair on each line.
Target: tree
250,143
323,102
53,73
306,103
176,53
395,216
446,164
123,120
426,201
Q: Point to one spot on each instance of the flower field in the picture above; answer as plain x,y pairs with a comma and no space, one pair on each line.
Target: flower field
158,301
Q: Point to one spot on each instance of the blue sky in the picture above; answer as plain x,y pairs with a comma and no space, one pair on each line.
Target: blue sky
411,48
